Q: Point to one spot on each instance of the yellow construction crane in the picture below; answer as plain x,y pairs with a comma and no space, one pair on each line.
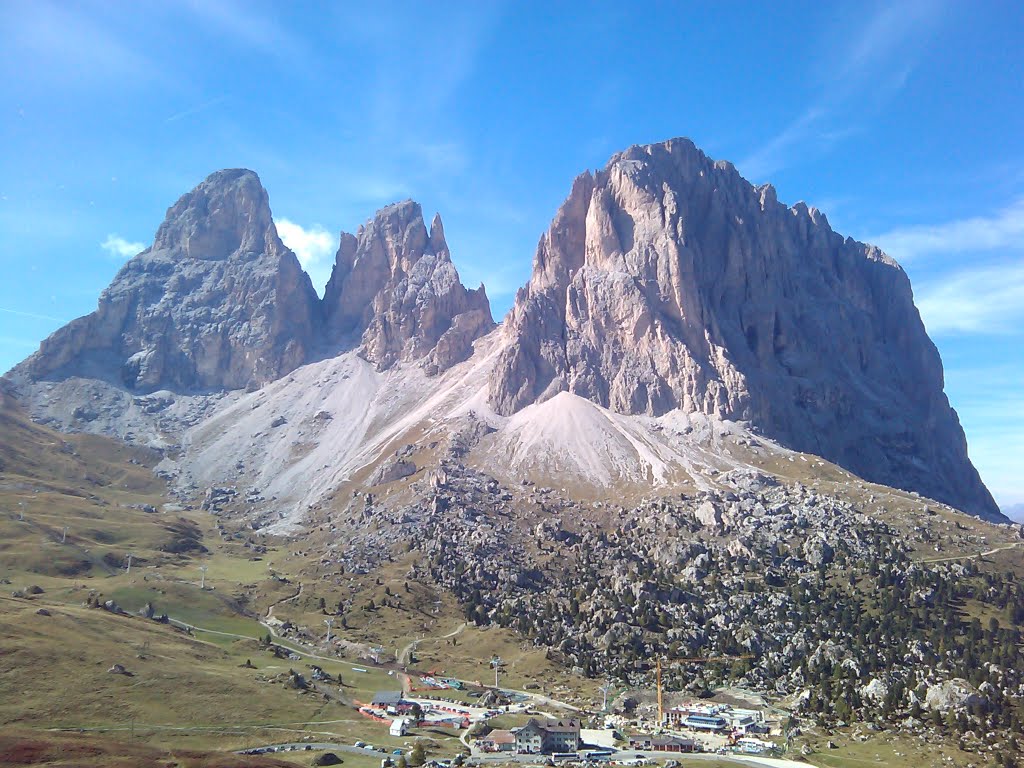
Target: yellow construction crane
698,660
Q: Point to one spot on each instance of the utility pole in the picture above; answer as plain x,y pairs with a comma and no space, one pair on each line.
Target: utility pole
202,579
329,623
604,691
496,663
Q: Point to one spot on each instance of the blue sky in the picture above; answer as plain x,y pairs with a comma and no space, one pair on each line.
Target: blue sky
903,122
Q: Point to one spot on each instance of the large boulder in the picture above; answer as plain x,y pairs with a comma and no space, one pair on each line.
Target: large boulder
956,694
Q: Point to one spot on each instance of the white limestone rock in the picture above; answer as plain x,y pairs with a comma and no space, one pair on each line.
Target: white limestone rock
394,289
217,302
666,281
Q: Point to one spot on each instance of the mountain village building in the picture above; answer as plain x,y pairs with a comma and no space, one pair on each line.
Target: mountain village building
498,741
714,717
663,743
547,737
392,703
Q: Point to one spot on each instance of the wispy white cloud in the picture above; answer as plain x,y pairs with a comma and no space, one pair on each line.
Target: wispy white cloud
988,300
412,88
873,67
810,131
886,33
437,157
313,246
58,43
771,155
249,25
119,248
362,188
1002,230
196,109
409,102
31,315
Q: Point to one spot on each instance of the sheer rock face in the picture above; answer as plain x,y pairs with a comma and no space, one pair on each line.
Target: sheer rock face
667,281
217,302
395,288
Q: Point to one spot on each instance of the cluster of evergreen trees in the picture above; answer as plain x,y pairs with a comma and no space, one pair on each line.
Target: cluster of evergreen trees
829,628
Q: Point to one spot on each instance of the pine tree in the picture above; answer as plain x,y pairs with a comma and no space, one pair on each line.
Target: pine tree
416,755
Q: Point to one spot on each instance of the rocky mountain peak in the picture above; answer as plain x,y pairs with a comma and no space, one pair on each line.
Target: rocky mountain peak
395,288
666,281
437,241
219,302
216,302
228,212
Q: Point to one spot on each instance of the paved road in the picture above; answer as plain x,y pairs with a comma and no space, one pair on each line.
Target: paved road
535,759
763,762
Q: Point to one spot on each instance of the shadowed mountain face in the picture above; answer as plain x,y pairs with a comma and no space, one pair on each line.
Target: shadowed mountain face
667,281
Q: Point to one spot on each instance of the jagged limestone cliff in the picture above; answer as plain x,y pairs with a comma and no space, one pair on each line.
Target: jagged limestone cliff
395,286
668,281
217,302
